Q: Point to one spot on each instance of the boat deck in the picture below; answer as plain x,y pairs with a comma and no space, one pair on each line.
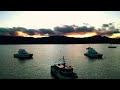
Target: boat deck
62,66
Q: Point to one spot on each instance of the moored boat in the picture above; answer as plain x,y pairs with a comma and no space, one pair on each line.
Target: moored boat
63,71
112,46
92,53
23,54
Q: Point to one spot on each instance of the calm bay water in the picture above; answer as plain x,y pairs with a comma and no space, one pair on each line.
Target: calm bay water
45,55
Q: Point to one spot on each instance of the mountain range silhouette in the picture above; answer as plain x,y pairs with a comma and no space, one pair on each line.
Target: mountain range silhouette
57,40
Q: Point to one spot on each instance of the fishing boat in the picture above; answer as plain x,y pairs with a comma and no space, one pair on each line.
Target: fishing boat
92,53
63,71
23,54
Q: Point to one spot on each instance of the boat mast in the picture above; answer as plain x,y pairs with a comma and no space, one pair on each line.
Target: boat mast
63,61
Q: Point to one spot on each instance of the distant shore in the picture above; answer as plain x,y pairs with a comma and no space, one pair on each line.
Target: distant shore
58,40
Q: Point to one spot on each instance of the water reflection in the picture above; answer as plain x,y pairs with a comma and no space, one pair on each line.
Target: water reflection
23,60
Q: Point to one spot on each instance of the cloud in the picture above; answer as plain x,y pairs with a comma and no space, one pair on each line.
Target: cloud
106,29
12,31
64,29
85,29
31,31
7,31
46,31
105,25
73,28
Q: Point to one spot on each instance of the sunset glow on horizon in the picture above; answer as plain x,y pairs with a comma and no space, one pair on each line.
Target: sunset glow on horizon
75,35
36,35
81,35
115,36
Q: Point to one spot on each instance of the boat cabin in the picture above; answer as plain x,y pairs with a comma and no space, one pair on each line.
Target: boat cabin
91,50
64,68
22,51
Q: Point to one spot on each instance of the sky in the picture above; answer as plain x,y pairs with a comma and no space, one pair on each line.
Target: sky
52,19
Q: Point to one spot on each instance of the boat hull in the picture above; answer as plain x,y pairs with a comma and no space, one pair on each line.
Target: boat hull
57,74
112,47
29,56
93,55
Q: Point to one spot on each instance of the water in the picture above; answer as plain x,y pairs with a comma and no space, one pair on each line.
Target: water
45,55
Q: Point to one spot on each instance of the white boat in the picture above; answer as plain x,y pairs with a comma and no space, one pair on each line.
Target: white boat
92,53
63,71
23,54
112,46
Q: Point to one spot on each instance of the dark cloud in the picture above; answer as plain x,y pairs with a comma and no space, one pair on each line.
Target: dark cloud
105,25
19,28
85,29
12,31
108,32
31,31
46,31
73,28
106,29
65,29
7,31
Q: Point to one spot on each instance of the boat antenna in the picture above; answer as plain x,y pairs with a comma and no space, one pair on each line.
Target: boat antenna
59,59
64,61
60,52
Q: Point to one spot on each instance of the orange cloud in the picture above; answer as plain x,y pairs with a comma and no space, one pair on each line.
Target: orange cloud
20,33
36,35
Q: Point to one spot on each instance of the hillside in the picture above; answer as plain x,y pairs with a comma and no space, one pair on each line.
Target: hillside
56,40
